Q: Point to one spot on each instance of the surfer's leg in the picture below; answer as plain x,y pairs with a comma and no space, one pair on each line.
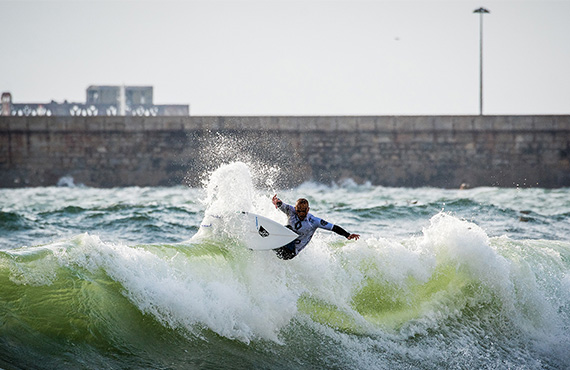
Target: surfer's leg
286,252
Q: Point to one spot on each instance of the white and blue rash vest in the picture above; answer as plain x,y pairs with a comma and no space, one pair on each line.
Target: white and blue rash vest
307,227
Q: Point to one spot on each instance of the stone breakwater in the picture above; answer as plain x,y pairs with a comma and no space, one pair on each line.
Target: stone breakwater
411,151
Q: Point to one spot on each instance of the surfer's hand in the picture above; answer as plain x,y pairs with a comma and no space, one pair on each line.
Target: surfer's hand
276,201
353,236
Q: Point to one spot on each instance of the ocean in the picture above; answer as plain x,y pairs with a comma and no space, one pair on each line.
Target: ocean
126,278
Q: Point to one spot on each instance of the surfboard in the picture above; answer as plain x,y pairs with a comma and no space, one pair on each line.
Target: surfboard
262,233
256,231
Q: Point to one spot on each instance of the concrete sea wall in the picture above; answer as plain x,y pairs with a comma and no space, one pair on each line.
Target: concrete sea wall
441,151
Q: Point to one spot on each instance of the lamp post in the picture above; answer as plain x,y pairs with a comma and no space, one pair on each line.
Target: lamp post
481,11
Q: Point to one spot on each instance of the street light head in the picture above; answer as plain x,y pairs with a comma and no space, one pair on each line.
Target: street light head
481,11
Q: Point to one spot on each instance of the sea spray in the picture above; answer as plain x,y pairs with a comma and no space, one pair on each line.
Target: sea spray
264,163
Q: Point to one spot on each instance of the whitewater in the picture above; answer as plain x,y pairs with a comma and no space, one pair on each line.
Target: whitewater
126,278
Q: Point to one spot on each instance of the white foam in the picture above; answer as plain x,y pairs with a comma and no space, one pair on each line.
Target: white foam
466,245
228,296
68,181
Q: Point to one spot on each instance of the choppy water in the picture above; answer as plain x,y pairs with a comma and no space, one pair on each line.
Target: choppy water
122,278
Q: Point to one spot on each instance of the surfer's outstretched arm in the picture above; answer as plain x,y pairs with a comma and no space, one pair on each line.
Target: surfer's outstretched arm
340,231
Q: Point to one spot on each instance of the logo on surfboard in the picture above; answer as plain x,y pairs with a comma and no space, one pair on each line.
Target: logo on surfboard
264,233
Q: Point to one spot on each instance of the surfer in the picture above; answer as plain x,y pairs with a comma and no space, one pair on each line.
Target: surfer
305,224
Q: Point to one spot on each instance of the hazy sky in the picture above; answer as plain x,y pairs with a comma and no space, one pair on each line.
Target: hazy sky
294,57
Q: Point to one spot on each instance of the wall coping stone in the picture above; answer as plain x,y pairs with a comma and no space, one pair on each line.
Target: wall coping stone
291,123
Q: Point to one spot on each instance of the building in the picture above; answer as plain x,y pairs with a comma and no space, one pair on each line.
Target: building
100,101
131,95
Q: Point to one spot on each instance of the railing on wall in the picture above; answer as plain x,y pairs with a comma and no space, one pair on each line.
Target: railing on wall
91,110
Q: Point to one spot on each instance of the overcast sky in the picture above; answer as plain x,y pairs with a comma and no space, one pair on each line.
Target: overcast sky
294,57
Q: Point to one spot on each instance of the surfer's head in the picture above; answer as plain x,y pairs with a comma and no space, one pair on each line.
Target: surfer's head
302,208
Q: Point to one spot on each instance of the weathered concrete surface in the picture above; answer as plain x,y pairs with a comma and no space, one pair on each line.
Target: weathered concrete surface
442,151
